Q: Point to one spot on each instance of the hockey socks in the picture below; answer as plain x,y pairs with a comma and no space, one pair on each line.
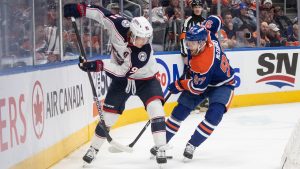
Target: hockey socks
178,115
172,126
212,118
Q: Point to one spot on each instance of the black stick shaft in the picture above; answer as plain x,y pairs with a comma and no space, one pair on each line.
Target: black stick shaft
96,100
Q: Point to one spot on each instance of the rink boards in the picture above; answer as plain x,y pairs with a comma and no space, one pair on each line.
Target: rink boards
47,113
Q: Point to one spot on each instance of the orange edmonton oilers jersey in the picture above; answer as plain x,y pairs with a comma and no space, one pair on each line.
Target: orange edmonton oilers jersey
210,68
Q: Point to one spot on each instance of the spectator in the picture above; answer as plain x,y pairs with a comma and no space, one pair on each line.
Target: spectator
228,26
284,23
267,4
264,40
174,4
158,15
114,8
252,7
244,38
274,36
293,39
244,19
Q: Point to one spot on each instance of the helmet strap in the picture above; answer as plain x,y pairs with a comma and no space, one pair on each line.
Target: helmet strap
132,38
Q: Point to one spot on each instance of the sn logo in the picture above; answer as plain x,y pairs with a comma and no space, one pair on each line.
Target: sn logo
278,70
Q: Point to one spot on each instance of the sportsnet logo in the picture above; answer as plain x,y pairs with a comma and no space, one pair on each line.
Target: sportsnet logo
277,70
278,80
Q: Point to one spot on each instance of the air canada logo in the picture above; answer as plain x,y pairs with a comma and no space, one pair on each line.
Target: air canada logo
278,70
38,118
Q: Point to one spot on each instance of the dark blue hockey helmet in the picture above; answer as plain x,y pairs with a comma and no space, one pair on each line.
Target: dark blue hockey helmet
196,33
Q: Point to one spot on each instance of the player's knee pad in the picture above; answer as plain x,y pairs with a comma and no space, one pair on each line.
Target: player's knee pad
215,113
109,119
158,124
155,109
158,129
180,112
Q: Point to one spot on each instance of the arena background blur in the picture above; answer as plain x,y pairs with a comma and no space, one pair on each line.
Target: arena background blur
34,32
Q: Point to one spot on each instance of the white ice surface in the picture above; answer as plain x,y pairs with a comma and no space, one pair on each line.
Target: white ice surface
247,138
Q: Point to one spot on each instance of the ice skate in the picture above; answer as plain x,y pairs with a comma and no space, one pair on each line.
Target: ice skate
161,158
90,155
153,152
188,152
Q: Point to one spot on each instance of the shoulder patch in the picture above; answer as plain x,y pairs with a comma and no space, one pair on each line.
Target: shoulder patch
142,56
125,23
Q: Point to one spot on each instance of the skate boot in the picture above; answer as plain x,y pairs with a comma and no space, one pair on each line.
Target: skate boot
90,155
188,152
161,158
153,152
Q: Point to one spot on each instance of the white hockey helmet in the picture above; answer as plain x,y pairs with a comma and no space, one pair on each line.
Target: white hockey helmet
141,27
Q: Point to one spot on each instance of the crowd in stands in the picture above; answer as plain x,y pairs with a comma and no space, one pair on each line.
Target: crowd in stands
21,38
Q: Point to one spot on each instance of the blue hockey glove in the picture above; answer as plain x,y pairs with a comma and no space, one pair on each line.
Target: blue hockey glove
91,66
74,10
175,87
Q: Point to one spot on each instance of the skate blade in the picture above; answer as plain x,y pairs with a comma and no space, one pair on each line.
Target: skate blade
161,166
186,160
86,165
152,157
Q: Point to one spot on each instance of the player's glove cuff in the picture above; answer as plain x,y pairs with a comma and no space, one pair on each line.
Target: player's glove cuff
175,87
74,10
91,66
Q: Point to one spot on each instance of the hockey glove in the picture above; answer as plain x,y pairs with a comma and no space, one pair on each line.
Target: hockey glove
91,66
175,87
74,10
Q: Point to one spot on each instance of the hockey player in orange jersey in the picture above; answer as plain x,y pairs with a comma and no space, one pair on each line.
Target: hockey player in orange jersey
211,77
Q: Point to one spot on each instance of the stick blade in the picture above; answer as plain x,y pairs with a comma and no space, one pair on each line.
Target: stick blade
120,147
112,149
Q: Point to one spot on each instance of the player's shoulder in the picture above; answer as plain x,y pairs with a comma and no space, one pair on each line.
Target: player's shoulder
121,25
140,56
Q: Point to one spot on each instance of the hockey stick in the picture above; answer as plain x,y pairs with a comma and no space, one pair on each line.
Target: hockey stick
96,100
114,150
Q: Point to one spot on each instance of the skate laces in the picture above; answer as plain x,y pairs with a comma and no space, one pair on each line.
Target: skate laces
91,152
189,148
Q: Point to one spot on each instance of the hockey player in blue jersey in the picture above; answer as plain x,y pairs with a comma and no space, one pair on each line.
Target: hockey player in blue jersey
133,70
211,77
